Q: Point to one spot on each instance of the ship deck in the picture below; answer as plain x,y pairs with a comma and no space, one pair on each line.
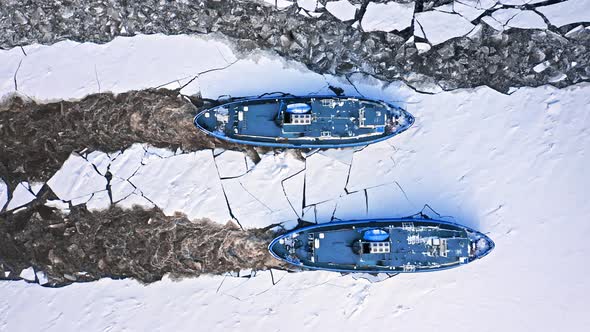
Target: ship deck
328,121
337,121
406,246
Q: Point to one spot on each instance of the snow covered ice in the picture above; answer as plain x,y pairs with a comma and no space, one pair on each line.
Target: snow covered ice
512,165
387,16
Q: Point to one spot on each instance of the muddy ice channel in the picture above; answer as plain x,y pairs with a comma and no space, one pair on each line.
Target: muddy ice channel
76,208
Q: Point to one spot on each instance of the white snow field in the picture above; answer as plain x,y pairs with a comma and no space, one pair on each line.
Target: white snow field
512,166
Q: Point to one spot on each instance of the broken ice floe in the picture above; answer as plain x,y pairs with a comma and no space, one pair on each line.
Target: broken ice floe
479,4
128,162
342,9
438,27
100,160
257,199
3,194
108,73
22,195
516,18
293,189
58,204
76,180
41,277
28,274
541,66
231,164
387,16
567,12
309,5
187,183
135,199
470,13
99,201
279,4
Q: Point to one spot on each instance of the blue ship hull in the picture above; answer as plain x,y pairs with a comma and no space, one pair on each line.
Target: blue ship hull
304,122
402,245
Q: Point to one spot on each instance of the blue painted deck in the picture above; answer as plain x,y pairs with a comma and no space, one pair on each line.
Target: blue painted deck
329,122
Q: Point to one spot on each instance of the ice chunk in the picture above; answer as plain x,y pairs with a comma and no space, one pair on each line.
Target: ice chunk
120,189
574,31
513,2
58,204
342,9
231,164
567,12
323,212
99,201
135,199
42,278
418,31
541,66
128,162
257,199
28,274
253,212
440,27
469,12
447,8
280,4
478,4
309,214
293,188
10,60
318,186
21,196
527,19
36,187
352,206
516,18
152,153
150,60
557,77
387,16
186,183
248,210
493,23
100,160
422,47
309,5
76,180
3,194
